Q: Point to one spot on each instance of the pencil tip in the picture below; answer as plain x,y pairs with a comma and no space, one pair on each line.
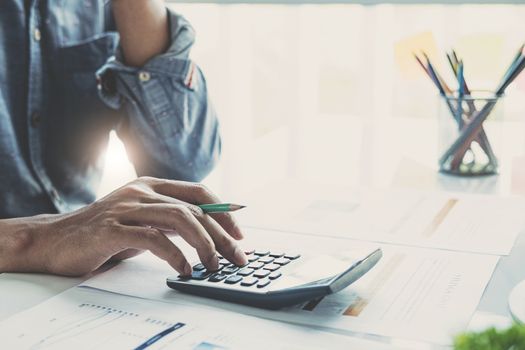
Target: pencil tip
235,207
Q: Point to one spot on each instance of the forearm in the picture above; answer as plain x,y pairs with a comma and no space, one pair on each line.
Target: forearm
17,243
143,28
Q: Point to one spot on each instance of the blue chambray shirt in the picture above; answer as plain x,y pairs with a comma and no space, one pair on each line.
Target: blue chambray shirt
64,87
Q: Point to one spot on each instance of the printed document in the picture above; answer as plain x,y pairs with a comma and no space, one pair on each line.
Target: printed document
470,223
412,293
88,319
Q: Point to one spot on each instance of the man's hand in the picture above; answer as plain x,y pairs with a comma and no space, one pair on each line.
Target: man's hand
134,218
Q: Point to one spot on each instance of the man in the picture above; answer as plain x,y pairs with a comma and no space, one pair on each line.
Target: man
65,82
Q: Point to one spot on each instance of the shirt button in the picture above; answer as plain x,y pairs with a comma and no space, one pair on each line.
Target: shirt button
35,119
144,76
37,34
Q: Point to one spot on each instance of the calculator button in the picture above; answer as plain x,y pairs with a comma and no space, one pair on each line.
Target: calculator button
250,281
263,283
261,252
200,275
217,277
233,279
281,261
217,269
275,275
276,255
224,261
271,267
256,265
228,270
292,256
245,272
261,273
266,259
199,267
253,258
249,251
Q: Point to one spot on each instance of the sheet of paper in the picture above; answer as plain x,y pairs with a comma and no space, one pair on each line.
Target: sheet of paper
412,293
452,221
88,319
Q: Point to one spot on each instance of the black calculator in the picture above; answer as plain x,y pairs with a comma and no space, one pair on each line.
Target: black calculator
273,279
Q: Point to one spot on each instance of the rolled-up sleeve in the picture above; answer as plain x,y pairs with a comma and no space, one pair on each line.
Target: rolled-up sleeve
170,127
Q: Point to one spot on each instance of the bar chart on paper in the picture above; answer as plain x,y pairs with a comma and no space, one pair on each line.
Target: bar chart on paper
88,325
111,327
82,318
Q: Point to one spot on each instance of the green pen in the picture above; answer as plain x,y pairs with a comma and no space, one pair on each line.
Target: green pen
220,207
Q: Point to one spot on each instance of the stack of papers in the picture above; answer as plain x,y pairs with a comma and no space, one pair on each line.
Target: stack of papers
440,251
87,319
412,293
452,221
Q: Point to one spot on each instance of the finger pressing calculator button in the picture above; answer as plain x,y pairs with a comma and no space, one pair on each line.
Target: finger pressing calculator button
233,279
256,265
261,273
200,275
228,270
245,272
292,256
252,258
281,261
276,255
217,277
262,252
263,283
250,281
271,267
266,259
199,267
275,275
218,269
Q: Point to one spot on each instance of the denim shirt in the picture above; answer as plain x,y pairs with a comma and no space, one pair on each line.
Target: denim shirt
64,86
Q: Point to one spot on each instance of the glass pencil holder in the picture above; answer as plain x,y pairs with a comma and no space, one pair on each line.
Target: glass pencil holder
468,131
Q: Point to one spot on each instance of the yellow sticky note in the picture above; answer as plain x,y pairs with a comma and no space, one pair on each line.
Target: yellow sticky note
482,54
404,53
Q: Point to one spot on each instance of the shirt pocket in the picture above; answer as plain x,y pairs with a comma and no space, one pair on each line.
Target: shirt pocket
84,120
76,68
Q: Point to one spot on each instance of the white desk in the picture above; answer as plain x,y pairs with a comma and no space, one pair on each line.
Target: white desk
380,160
